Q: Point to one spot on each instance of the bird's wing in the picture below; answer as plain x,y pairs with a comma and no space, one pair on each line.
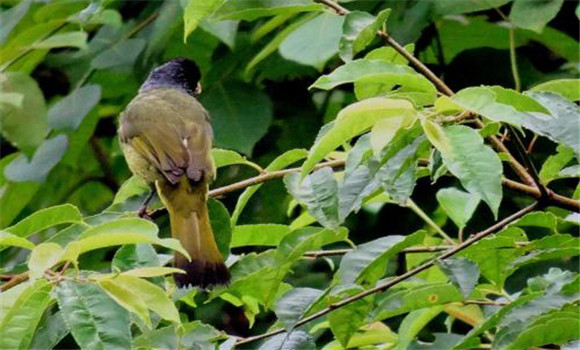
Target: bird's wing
172,131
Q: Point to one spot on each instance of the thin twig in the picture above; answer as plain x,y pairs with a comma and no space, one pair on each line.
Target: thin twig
14,281
396,280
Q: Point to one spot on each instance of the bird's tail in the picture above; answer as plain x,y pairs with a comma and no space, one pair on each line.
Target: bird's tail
187,206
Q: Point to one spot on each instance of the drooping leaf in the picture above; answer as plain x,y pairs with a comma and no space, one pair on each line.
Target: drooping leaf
367,263
476,165
21,99
18,325
258,234
94,319
220,224
11,17
69,112
354,120
318,192
359,30
134,186
241,115
459,205
127,298
324,32
45,158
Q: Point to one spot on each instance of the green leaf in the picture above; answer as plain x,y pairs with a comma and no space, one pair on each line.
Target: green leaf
195,12
135,256
19,324
389,54
353,189
324,32
21,99
69,112
367,263
353,120
534,14
556,327
397,174
192,335
10,240
94,319
127,298
346,320
225,31
359,30
68,39
318,192
43,257
298,242
448,7
560,127
251,10
241,115
220,225
494,254
119,232
259,234
11,17
153,297
44,160
539,219
413,323
295,304
296,340
376,69
567,88
50,333
45,218
123,53
224,157
399,301
151,271
385,130
550,247
134,186
282,161
551,168
463,273
476,165
459,205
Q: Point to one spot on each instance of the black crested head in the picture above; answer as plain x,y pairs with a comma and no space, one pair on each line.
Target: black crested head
178,73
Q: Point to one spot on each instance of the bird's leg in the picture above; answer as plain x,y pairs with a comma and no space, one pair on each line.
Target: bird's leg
143,209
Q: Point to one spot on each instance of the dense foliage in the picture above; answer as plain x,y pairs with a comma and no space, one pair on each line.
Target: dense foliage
361,201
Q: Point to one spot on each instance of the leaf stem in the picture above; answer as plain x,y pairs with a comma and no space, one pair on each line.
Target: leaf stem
413,206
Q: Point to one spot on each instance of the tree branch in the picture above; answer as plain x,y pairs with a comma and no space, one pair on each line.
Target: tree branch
398,279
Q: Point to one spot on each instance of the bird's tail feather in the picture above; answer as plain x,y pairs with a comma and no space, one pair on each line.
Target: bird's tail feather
186,203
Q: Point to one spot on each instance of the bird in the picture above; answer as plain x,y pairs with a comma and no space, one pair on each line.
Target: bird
166,137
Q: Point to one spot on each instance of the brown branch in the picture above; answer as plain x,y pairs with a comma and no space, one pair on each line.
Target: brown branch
410,250
14,281
395,280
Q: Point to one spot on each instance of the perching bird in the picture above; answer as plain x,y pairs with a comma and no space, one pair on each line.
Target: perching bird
166,137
